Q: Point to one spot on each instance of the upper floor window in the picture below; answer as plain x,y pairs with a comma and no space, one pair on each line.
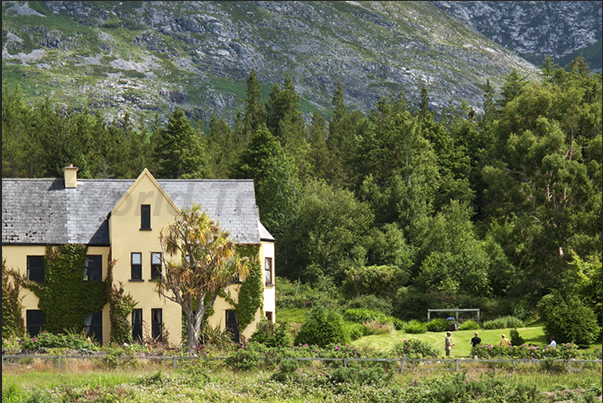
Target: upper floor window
136,266
93,268
155,265
145,217
35,268
268,270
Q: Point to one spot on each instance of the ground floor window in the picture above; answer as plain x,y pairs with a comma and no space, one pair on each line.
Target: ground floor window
137,324
232,324
35,321
157,324
93,325
269,315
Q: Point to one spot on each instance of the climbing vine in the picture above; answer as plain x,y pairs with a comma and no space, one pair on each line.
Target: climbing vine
12,321
251,293
64,297
121,306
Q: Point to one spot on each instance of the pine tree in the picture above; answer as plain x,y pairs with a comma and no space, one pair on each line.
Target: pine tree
179,151
255,110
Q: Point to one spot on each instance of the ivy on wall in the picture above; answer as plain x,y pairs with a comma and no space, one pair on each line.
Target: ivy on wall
251,293
64,297
121,306
12,320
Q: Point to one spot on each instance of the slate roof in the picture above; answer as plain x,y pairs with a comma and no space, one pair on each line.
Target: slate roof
43,211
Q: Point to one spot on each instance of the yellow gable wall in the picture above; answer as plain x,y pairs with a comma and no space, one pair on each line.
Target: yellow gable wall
127,237
16,258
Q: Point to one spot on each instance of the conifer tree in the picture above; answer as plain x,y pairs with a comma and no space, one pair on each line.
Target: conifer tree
255,110
179,152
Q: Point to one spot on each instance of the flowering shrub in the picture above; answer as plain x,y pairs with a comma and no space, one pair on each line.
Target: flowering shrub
414,348
562,351
60,340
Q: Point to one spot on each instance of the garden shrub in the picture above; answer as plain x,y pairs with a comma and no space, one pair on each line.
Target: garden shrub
271,334
363,315
415,327
375,326
414,348
356,330
568,319
45,340
516,339
243,359
503,323
322,327
437,325
469,325
398,323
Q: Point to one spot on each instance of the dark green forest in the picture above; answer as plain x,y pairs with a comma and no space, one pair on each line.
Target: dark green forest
401,208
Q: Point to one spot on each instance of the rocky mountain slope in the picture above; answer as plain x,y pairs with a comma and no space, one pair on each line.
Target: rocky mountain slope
535,29
147,57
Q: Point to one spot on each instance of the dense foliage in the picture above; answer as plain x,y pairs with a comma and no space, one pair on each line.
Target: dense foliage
413,207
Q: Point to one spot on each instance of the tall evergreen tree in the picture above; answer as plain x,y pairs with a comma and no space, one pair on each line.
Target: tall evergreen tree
255,110
179,152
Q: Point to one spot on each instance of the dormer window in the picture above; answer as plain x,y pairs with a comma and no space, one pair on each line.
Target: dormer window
145,217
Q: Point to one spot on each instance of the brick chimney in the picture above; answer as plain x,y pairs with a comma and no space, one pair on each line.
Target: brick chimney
70,173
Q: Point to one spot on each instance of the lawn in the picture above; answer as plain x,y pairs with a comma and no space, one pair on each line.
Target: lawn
461,339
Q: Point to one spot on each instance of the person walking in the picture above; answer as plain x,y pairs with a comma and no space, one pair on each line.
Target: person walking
449,344
505,342
475,341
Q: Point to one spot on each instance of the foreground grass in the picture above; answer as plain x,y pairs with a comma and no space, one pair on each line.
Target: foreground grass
313,383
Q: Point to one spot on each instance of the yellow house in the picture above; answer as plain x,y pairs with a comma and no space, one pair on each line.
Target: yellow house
120,220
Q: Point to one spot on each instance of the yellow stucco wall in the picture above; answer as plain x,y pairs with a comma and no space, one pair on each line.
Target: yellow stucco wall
127,237
16,258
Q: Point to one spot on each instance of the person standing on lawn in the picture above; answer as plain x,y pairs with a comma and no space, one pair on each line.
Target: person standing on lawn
475,341
449,344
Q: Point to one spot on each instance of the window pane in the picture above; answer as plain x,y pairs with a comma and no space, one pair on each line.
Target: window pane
93,270
155,258
136,272
137,324
35,268
268,276
157,322
145,216
35,322
136,258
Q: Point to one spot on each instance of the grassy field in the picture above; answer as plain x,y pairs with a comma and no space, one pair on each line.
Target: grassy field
312,383
532,333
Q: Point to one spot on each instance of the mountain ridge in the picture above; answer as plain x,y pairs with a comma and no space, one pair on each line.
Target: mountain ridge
146,58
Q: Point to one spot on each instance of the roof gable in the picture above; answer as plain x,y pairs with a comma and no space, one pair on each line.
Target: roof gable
145,175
